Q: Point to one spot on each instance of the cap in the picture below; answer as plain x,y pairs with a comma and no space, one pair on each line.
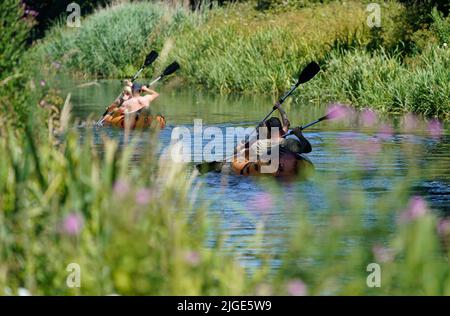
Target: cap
136,87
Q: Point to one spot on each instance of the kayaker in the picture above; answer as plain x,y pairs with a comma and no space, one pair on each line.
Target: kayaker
294,142
138,102
273,135
124,96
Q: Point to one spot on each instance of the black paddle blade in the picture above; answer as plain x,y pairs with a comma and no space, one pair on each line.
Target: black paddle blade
171,69
150,58
206,167
309,72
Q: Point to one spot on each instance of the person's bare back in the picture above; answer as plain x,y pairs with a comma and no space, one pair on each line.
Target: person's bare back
138,102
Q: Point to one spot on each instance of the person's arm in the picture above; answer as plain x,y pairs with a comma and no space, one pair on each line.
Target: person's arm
151,94
306,145
284,119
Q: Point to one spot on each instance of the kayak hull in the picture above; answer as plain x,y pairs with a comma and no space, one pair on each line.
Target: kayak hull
141,121
290,166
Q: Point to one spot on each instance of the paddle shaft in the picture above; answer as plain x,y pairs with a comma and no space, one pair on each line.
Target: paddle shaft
280,101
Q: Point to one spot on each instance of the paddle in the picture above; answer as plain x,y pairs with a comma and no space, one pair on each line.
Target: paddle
168,71
323,118
307,74
151,57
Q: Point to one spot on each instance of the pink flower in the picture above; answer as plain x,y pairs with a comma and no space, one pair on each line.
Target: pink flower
443,227
143,196
368,117
417,208
192,258
42,82
121,188
339,112
382,254
296,288
435,128
386,131
72,224
56,64
410,122
262,202
31,12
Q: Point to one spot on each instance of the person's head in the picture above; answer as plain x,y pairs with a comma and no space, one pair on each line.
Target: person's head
273,122
136,88
127,92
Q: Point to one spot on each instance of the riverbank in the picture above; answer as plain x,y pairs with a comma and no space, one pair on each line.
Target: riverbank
240,49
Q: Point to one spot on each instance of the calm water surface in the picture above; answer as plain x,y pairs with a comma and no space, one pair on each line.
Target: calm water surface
243,202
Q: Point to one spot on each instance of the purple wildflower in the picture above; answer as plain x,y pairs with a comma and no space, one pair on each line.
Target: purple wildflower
192,258
435,128
443,227
296,288
417,208
368,117
72,224
339,112
121,188
386,131
382,254
143,196
56,64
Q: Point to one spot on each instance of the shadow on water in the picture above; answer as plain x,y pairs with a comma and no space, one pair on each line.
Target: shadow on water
245,202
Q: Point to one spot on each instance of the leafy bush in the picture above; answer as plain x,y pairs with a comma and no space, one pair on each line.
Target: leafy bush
15,29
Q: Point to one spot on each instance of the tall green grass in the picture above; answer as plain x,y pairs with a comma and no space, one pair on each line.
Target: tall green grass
383,82
114,41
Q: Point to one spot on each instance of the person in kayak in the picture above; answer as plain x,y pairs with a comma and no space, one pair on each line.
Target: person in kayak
124,96
273,135
138,102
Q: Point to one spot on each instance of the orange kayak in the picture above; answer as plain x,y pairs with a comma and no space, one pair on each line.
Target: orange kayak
290,165
140,121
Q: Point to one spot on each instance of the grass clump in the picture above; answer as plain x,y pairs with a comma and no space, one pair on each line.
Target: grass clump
114,41
383,82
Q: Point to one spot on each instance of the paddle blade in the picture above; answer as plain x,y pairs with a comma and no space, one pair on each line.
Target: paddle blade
150,58
206,167
309,72
171,69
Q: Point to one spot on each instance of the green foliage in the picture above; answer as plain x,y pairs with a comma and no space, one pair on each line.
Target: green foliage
441,27
15,28
383,82
282,5
50,11
19,95
113,40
